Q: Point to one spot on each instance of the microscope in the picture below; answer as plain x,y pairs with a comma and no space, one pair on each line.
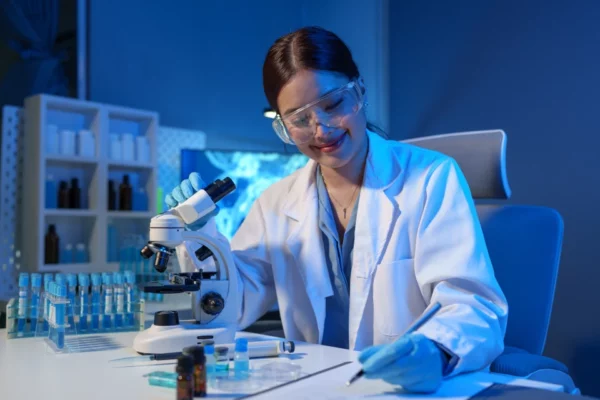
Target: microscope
215,296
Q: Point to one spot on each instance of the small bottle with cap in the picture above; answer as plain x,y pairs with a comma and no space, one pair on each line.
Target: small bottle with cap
48,278
119,299
209,352
107,295
197,354
59,309
185,380
222,360
241,360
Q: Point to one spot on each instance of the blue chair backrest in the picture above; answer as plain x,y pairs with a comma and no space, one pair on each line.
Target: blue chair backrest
525,244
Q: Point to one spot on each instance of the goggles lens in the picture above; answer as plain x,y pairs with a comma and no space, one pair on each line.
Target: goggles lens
330,110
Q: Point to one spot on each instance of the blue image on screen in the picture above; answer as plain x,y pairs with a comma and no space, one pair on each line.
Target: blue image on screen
251,171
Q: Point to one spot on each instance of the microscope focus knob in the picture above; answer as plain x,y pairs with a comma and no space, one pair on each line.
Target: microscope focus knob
212,303
166,318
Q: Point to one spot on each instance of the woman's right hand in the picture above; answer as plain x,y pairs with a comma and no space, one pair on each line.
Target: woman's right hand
185,190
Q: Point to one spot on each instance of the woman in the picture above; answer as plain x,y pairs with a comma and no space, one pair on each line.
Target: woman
357,244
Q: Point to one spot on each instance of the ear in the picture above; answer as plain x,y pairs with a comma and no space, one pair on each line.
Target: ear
361,85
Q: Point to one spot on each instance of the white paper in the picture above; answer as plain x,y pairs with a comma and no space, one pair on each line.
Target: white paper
331,385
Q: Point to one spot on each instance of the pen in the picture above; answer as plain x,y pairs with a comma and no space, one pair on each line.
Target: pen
426,316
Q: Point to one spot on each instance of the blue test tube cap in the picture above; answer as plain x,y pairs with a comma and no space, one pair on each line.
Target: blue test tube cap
52,288
61,290
61,279
72,280
209,349
48,277
96,279
84,279
23,279
106,278
130,277
241,345
118,278
36,280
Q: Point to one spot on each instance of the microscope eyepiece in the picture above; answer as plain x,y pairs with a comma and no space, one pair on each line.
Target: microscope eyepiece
219,189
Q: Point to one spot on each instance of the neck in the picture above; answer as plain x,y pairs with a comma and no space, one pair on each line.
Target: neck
350,174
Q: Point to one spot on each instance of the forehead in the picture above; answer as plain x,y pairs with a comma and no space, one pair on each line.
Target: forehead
307,86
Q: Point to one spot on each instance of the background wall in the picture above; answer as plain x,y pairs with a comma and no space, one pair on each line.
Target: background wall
530,68
200,63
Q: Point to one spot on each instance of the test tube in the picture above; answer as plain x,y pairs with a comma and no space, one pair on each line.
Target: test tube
36,288
22,306
48,278
119,291
59,309
84,302
60,278
50,297
96,300
107,296
241,361
130,297
72,284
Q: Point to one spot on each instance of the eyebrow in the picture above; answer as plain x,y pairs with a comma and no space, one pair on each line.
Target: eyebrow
292,110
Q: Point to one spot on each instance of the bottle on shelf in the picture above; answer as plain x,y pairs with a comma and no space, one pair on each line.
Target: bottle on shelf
51,192
112,196
75,194
140,200
80,253
125,195
51,246
63,195
66,255
127,146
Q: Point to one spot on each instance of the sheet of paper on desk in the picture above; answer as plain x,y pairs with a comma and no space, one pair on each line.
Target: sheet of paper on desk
331,385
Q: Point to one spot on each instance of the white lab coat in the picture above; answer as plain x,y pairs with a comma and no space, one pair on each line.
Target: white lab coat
417,241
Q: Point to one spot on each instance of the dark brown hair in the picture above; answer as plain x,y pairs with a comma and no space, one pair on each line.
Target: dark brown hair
312,48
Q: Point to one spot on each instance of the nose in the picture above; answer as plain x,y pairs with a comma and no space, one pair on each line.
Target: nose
322,132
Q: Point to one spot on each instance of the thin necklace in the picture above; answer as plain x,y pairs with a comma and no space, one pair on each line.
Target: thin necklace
338,203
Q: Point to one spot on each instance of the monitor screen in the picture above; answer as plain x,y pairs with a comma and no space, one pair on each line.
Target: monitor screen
251,171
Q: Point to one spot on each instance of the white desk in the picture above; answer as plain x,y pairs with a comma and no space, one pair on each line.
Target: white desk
29,371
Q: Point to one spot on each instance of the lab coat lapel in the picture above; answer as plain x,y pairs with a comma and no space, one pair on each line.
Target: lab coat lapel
376,218
305,244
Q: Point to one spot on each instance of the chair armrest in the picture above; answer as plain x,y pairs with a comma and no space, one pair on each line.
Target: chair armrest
524,364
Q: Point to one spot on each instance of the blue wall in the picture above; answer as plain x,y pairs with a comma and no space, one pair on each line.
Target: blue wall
198,63
532,69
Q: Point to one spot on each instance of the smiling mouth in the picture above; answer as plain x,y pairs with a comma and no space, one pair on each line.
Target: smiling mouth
332,144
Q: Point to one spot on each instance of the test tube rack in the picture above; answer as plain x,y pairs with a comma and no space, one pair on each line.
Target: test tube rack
40,320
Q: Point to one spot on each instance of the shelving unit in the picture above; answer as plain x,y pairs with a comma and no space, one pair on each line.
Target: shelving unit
90,224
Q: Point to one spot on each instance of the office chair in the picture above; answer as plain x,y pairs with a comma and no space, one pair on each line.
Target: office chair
524,243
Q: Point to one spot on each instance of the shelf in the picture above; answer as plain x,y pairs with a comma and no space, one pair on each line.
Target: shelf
83,267
131,214
130,165
70,212
57,158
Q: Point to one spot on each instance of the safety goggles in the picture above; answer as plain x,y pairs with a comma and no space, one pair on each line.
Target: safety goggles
330,110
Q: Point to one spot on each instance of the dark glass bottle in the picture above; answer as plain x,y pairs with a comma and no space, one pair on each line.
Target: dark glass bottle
197,354
63,195
75,194
125,194
185,380
112,196
51,246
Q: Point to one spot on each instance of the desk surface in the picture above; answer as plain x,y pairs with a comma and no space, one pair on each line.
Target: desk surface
28,370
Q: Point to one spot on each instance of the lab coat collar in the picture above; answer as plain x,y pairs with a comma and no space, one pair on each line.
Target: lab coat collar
376,216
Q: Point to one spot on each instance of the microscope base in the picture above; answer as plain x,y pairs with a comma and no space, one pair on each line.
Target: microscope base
172,339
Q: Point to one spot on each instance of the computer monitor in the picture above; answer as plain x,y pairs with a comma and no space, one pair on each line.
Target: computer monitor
252,172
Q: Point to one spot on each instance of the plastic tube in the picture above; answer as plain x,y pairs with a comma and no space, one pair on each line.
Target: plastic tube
36,289
72,284
22,306
107,296
96,302
84,302
47,280
130,297
119,292
60,308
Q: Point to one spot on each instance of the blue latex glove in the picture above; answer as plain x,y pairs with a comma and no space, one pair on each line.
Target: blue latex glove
413,362
184,191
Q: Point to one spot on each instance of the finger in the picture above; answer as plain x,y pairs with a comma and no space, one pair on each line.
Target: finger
388,354
178,195
171,202
196,181
187,189
368,352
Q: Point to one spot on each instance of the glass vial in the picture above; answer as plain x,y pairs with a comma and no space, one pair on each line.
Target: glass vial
241,360
197,354
222,359
185,381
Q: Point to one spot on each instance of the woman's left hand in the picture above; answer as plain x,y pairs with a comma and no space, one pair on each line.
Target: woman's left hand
413,362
